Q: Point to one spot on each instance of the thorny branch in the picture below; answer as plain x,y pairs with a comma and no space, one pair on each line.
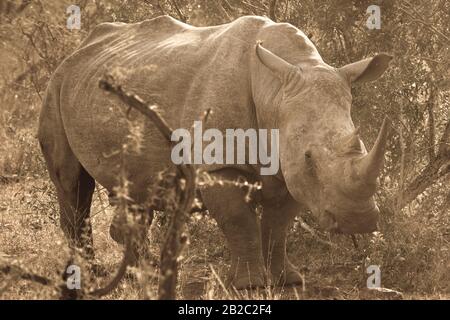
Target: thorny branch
185,194
185,189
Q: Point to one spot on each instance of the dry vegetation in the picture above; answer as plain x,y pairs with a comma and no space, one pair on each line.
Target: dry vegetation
412,247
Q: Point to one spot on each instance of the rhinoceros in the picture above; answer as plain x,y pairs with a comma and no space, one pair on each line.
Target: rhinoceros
253,73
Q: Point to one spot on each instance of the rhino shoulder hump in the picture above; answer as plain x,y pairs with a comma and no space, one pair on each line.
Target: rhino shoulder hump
164,21
101,30
252,21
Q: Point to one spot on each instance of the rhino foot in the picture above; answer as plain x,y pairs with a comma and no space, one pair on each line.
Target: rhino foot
248,282
242,278
290,276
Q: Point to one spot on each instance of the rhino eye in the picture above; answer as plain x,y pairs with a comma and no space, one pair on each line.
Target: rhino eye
309,161
308,155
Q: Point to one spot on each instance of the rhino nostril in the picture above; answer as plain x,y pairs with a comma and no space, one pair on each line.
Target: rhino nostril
333,224
310,162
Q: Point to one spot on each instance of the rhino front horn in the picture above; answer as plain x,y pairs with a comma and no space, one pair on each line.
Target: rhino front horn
371,165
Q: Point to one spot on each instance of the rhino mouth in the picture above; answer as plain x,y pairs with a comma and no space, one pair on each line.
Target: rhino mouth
333,225
353,222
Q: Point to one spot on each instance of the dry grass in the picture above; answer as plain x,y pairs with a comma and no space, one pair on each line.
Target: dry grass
412,249
414,259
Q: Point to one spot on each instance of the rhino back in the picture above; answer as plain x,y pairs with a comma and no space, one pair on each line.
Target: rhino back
183,69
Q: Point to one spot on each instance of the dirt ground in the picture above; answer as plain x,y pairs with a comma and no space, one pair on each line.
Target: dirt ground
30,236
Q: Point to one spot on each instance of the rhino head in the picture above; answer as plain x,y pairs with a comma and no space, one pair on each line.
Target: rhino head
325,165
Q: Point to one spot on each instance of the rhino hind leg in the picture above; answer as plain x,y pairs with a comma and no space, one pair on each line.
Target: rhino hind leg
275,222
75,206
142,218
238,221
74,185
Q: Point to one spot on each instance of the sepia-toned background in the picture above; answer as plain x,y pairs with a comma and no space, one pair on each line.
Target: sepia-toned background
412,248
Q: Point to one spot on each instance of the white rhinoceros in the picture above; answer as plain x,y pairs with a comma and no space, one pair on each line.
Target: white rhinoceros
282,84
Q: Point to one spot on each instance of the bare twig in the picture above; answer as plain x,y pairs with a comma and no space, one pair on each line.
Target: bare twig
185,187
415,17
305,226
272,9
222,9
180,14
21,273
431,123
119,275
137,103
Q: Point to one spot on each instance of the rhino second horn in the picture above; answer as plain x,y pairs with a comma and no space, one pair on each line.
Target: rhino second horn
280,67
371,165
352,142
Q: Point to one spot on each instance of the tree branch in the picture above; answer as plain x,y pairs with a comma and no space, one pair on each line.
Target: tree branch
437,168
417,18
431,123
272,9
180,14
25,275
185,191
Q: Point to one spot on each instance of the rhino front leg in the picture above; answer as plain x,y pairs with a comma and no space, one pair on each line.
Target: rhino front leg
238,221
276,219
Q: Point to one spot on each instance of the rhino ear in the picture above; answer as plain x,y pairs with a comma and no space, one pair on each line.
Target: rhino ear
368,69
280,67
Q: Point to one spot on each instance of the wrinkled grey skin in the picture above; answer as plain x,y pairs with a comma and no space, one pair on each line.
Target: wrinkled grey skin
281,84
